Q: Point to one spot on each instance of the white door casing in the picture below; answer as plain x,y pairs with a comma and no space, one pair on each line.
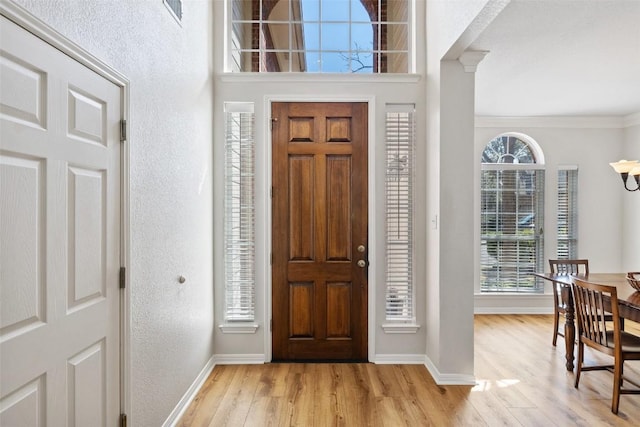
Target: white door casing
60,237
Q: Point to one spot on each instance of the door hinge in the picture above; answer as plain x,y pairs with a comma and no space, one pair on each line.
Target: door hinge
271,192
123,278
123,130
271,325
123,420
271,258
274,120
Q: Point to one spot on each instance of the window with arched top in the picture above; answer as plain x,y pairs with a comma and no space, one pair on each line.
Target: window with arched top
318,36
511,215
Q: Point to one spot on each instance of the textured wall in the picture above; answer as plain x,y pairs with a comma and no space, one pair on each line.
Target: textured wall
168,66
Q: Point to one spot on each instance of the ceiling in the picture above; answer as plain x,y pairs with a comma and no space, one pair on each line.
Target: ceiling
561,58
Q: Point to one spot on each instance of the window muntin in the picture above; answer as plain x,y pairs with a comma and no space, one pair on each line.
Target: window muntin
239,213
399,184
319,36
567,220
512,206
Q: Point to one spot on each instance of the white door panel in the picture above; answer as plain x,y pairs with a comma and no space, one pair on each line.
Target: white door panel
60,246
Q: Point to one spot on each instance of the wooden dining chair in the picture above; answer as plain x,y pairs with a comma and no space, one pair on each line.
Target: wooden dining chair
633,277
595,332
566,267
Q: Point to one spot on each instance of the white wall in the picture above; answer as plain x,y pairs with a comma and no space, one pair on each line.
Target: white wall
631,205
168,66
573,141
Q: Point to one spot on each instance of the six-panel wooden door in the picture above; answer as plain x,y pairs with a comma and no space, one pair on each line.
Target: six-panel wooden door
319,231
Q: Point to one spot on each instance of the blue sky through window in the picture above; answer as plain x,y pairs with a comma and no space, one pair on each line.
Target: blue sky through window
334,30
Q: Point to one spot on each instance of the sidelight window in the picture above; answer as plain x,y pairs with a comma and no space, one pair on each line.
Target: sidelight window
400,141
239,213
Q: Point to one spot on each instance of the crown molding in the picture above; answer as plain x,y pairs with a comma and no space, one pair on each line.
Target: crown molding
632,120
585,122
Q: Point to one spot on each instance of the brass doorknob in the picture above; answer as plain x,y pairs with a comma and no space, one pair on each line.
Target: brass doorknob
362,263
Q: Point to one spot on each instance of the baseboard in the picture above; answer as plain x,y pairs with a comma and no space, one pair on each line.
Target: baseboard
239,359
191,393
512,310
398,359
448,379
509,303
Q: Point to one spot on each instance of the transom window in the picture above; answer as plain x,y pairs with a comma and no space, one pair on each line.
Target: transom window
319,36
511,216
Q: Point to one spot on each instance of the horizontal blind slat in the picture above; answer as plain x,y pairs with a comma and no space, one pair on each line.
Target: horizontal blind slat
511,217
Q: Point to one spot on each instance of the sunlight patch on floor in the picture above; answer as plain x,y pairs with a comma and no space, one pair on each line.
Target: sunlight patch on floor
486,385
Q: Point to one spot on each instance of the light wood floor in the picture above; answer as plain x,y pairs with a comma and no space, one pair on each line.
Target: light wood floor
521,381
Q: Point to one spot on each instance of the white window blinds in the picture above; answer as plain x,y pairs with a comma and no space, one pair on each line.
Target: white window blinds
512,200
400,140
567,225
239,213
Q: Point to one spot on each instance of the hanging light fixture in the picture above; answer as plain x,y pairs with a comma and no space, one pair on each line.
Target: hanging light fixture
626,168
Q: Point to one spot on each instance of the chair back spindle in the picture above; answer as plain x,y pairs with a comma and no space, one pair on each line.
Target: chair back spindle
569,266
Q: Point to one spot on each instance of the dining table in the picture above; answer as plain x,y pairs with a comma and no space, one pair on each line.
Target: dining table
628,301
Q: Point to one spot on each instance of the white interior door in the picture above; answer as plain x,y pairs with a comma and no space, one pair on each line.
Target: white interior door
60,245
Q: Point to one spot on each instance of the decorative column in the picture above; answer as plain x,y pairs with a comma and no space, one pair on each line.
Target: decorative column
457,216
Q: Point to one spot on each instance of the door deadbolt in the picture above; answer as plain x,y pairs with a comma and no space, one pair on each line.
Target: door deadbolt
361,248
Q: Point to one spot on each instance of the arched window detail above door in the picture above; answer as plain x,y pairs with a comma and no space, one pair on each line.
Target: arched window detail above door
318,36
508,149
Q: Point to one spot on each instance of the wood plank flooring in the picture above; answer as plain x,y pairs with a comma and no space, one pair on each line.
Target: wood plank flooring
521,381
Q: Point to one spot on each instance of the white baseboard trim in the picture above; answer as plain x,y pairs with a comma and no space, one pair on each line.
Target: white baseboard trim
513,310
448,379
191,393
509,303
398,359
240,359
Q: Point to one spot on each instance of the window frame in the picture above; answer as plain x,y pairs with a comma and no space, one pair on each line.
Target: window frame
239,222
400,253
409,52
519,234
567,211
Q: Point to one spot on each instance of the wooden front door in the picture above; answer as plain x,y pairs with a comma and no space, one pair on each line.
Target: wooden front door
319,270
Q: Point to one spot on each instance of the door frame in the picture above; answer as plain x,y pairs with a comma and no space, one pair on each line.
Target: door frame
266,188
40,29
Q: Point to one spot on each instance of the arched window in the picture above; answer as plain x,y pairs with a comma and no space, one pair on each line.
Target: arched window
327,36
511,214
